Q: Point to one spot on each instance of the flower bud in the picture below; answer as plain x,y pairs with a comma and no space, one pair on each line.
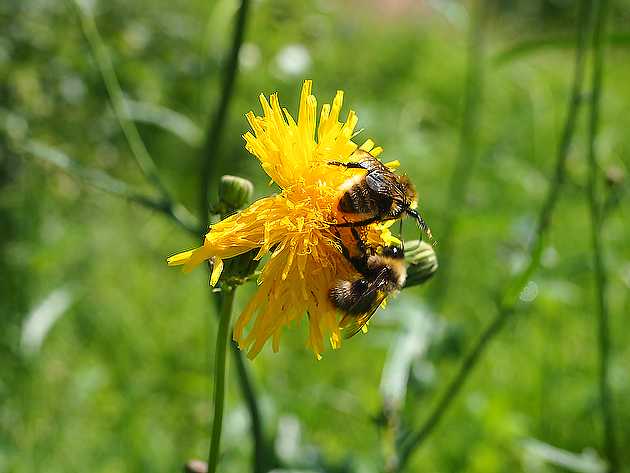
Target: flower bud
234,193
421,262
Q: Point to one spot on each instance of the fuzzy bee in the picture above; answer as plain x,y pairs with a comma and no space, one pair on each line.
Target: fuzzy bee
382,273
376,195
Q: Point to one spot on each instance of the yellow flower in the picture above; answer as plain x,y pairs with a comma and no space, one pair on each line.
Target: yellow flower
293,227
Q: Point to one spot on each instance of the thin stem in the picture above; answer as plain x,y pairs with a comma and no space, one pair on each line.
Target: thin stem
227,300
459,181
507,304
212,144
122,112
523,48
610,444
103,181
261,456
472,357
117,99
468,142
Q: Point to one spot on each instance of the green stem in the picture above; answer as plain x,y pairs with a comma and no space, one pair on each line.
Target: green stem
220,360
117,99
212,143
610,444
262,456
507,304
103,181
524,48
121,110
468,140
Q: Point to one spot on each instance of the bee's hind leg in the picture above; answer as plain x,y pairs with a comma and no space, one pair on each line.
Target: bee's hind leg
347,165
358,263
344,249
359,240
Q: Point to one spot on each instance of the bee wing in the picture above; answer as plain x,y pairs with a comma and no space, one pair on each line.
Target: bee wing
386,183
352,324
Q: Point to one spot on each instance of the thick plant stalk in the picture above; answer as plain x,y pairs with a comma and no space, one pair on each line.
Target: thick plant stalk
599,264
220,364
509,300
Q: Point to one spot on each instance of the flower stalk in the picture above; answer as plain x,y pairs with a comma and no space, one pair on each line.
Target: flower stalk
234,193
601,8
220,367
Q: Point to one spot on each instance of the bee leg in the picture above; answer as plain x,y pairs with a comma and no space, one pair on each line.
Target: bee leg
360,242
346,165
358,263
344,249
420,221
360,223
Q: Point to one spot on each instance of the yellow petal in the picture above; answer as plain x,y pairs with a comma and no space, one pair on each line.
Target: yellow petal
180,258
217,269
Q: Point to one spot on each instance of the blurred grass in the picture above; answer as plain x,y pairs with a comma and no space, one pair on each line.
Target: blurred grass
120,382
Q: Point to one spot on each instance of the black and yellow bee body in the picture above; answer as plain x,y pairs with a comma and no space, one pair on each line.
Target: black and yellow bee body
377,194
382,273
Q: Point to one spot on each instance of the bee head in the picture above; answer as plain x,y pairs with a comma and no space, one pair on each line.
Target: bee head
409,188
394,252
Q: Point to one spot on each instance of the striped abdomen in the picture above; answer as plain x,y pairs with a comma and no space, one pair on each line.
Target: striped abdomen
358,199
350,296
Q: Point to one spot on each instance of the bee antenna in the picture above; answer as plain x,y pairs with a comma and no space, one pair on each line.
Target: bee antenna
402,240
421,223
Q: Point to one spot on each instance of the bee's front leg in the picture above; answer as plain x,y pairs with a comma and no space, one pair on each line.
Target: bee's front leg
359,223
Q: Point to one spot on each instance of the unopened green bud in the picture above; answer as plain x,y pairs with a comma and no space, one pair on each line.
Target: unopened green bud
234,193
421,262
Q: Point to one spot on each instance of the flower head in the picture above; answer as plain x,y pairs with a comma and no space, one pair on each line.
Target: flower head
294,226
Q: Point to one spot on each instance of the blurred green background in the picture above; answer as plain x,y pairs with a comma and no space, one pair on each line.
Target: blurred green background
105,353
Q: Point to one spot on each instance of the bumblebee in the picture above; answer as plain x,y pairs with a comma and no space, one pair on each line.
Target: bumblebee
377,195
382,271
